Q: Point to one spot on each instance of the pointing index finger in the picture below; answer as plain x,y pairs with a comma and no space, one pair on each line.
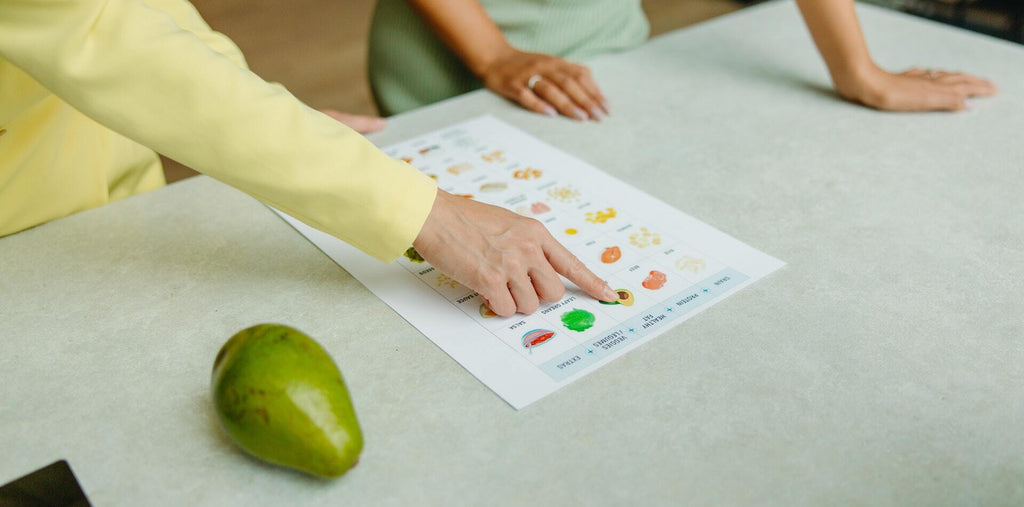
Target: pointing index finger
569,266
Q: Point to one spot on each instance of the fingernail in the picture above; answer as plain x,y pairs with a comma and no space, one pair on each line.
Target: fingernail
550,111
596,114
607,107
580,115
610,295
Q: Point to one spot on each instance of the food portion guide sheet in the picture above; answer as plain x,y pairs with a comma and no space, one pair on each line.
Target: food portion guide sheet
666,265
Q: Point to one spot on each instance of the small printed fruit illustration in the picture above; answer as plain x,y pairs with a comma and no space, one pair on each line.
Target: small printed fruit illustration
655,280
611,254
625,298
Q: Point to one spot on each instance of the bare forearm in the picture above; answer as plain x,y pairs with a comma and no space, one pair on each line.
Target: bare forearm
833,25
465,27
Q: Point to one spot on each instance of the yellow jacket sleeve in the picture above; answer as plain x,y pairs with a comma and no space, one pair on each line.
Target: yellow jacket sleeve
188,18
133,69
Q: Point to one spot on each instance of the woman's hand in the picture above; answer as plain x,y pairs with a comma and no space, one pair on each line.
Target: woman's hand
914,90
545,84
541,83
512,261
359,123
837,33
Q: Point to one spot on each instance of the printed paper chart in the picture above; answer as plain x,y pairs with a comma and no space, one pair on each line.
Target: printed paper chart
666,265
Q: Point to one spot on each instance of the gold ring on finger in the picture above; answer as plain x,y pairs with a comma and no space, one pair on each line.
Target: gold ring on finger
532,82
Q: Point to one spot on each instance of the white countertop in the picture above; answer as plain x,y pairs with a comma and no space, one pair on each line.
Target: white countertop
883,365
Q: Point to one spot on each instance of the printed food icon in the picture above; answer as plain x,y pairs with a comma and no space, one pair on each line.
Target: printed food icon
625,298
578,320
690,263
527,174
537,208
494,156
566,194
493,187
445,280
414,256
644,238
460,168
536,337
601,216
611,254
655,280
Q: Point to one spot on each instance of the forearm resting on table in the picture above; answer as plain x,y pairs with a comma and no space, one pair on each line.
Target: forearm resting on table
837,34
833,25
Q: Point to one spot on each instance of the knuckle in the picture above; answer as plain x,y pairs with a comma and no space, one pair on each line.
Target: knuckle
532,238
504,309
533,250
534,227
491,280
554,292
529,306
512,264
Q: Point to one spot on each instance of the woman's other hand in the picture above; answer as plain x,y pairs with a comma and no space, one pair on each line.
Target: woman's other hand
916,89
545,84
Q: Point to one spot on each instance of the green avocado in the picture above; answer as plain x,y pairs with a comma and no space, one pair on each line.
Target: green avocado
280,396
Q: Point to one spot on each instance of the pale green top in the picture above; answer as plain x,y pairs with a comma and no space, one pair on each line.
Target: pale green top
410,67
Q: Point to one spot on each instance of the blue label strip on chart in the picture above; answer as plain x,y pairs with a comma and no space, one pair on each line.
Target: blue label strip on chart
614,339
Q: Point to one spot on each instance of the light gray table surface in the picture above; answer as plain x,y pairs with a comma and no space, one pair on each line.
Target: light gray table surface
883,365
